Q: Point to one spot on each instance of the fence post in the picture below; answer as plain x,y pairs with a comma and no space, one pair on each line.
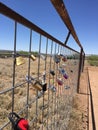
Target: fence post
83,61
79,72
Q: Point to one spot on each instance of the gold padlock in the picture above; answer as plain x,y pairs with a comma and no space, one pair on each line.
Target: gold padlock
20,60
33,57
37,86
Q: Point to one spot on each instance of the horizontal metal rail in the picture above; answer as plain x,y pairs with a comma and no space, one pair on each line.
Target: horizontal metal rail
62,11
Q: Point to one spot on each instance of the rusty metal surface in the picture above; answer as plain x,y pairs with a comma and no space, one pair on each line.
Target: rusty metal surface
62,11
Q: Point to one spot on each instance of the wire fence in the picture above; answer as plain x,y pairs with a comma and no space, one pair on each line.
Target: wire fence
38,84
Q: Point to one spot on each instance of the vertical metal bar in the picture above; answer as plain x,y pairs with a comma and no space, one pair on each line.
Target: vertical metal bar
44,78
58,91
39,57
50,69
67,38
14,63
79,71
83,61
57,85
49,114
52,109
29,71
38,77
46,54
54,84
54,93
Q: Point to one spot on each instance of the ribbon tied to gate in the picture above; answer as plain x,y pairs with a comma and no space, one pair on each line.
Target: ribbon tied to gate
17,122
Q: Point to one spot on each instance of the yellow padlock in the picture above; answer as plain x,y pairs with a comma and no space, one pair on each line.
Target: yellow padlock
37,86
33,57
20,60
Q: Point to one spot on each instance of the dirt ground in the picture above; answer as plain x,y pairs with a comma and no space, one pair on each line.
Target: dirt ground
80,118
80,107
93,75
83,98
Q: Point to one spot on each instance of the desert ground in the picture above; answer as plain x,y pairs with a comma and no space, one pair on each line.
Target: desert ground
57,105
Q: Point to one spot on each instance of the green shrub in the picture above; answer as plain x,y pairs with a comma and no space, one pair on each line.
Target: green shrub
93,57
93,60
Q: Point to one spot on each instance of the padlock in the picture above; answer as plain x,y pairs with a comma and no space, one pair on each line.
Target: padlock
61,55
33,57
44,87
53,88
57,59
61,70
52,72
64,58
44,76
59,81
67,87
65,76
63,65
37,85
40,86
71,71
20,60
17,122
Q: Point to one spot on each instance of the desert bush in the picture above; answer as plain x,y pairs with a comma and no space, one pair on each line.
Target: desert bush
93,60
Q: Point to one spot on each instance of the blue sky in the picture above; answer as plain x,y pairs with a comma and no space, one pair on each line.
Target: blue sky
83,14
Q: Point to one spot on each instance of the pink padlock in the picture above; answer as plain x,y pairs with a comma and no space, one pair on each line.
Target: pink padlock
60,82
65,76
64,58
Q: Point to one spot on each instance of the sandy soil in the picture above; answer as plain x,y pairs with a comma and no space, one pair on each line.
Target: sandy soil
84,97
82,104
93,75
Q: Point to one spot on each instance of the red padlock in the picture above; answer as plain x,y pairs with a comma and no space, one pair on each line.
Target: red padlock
64,58
23,124
60,82
17,122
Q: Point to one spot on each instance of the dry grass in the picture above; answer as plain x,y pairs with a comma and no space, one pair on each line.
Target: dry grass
20,93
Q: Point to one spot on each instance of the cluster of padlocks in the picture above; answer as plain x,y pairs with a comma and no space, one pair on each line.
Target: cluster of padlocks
40,85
